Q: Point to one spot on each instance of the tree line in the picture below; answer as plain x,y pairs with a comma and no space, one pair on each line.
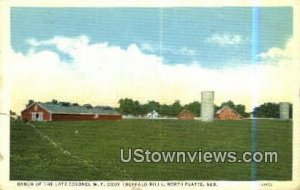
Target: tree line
129,106
269,110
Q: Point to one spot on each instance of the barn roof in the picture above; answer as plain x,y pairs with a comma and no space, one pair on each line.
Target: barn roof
185,111
70,109
224,108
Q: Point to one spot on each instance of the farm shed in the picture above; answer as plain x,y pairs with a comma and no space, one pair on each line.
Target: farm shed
227,113
186,115
57,112
152,115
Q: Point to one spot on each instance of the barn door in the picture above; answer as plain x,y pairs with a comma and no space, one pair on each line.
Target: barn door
40,116
37,116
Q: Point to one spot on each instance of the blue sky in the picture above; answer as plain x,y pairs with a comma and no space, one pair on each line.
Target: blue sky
161,54
210,37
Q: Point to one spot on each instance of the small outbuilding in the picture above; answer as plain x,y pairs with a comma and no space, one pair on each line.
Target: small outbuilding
227,113
186,115
38,111
152,115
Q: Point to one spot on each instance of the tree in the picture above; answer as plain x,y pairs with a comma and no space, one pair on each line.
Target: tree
54,101
29,103
12,112
268,110
143,110
241,109
136,108
194,107
176,108
129,106
229,104
65,103
291,111
152,105
165,110
216,107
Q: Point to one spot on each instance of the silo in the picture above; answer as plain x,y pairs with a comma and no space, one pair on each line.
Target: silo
284,110
207,106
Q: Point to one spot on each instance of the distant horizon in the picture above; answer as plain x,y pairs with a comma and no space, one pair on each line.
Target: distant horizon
93,105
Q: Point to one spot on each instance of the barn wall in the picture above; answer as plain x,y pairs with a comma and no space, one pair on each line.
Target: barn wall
26,115
81,117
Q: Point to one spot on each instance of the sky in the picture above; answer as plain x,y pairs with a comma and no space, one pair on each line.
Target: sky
99,55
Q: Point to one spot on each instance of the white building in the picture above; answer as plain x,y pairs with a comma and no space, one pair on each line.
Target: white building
152,115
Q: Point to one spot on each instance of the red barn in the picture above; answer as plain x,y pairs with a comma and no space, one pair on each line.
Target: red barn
186,115
227,113
58,112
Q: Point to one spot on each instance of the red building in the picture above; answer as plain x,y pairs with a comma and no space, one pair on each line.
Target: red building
227,113
58,112
186,115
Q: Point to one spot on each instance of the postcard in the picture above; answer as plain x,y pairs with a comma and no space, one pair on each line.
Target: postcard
150,95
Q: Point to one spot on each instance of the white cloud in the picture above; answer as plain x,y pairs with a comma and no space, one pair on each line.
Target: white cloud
150,48
33,42
102,74
277,54
225,39
147,47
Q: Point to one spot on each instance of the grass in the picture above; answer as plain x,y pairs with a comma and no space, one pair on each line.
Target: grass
99,143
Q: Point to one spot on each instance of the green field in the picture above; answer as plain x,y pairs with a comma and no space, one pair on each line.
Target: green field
90,150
